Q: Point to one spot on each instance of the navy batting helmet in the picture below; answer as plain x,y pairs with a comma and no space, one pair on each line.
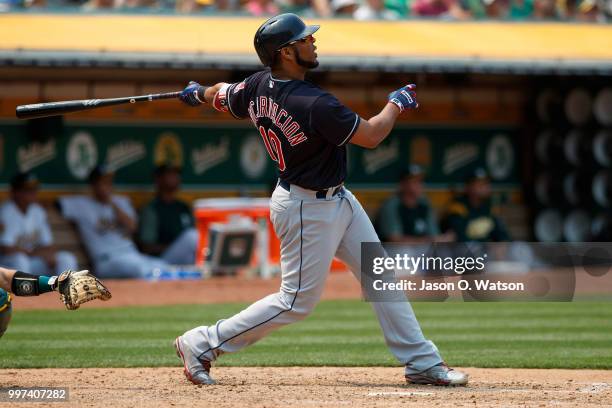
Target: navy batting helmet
278,32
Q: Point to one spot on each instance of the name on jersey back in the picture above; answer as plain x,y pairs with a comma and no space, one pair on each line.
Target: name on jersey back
264,107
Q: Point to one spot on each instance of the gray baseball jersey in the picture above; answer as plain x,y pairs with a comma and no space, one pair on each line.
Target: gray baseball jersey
98,225
27,230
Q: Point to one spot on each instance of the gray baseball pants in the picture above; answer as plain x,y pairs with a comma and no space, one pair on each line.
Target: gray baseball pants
312,231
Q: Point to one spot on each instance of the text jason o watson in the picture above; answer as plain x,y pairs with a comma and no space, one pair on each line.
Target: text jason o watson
478,284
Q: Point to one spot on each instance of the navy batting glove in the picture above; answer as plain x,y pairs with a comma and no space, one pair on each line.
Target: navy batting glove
193,95
404,98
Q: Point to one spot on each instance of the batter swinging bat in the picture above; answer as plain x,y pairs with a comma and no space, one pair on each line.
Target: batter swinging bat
39,110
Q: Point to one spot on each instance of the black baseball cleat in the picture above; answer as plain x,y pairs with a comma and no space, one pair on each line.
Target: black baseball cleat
197,371
440,374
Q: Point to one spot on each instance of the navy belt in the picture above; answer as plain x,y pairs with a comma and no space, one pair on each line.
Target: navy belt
321,194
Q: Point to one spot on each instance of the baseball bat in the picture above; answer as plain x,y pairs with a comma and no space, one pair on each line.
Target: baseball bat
40,110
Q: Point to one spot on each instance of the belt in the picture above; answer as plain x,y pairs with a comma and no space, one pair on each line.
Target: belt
320,194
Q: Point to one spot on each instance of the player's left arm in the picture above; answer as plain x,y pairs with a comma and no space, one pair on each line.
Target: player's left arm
195,94
224,97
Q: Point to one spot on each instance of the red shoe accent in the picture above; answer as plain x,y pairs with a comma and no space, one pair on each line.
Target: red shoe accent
179,353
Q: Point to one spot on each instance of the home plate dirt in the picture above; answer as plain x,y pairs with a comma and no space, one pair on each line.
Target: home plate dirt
255,387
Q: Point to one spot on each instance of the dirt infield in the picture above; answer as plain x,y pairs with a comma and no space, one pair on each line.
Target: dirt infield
314,387
289,386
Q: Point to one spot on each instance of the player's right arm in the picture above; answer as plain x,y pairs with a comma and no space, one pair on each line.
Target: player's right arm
371,132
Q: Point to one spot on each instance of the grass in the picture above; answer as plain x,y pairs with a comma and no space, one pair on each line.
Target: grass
339,333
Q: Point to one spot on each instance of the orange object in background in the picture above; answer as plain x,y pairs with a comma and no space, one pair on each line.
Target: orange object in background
208,211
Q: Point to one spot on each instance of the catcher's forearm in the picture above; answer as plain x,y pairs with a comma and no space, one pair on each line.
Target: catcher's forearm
25,284
6,277
75,288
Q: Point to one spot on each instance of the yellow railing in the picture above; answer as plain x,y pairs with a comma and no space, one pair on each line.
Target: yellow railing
234,35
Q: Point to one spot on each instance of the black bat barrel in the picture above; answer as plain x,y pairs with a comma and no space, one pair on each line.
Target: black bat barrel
40,110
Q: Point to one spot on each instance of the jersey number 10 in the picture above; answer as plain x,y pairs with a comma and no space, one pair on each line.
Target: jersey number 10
273,146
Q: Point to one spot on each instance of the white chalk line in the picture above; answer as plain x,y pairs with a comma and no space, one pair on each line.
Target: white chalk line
593,388
400,394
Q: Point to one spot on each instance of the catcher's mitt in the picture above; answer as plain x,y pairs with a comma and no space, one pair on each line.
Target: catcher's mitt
76,288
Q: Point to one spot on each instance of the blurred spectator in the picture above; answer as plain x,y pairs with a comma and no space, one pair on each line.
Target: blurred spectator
261,7
408,216
520,9
401,7
300,7
92,5
605,9
187,6
26,243
544,10
590,11
446,9
30,4
306,8
470,216
136,4
487,9
194,6
344,8
579,10
166,226
106,222
6,5
375,10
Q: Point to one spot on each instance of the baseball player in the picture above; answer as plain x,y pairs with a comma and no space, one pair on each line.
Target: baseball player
166,228
26,242
305,130
75,288
471,217
106,222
